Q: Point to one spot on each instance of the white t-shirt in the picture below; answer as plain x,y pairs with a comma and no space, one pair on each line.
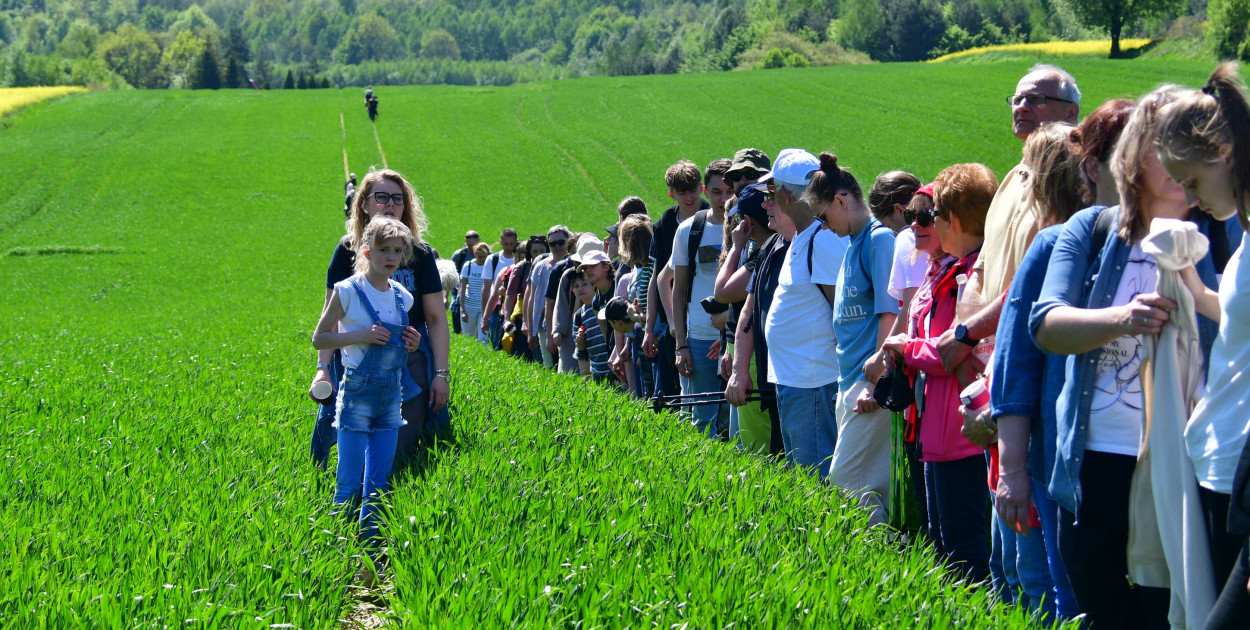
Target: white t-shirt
356,316
909,268
698,322
1115,413
472,272
496,266
802,347
1218,428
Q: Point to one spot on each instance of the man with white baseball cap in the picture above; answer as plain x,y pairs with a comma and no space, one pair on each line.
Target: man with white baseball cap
802,347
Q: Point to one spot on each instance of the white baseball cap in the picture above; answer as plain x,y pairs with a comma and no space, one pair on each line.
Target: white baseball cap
793,166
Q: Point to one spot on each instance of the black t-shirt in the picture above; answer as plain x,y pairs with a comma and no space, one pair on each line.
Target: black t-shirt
461,256
752,256
553,278
763,285
419,276
663,232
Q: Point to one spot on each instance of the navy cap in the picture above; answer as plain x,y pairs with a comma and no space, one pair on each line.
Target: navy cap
751,203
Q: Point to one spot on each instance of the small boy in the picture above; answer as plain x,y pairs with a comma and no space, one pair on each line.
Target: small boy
593,347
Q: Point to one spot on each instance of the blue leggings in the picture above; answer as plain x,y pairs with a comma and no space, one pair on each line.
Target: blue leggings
365,463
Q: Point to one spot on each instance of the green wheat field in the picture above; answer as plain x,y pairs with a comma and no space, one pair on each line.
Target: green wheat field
162,261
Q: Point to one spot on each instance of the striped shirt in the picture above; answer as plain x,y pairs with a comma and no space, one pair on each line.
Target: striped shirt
473,294
598,347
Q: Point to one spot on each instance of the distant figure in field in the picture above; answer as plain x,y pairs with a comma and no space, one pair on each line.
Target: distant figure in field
350,189
371,103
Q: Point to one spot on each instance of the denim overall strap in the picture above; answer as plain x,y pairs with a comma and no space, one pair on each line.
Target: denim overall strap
373,357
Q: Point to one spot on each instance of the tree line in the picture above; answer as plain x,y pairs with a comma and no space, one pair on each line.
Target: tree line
317,43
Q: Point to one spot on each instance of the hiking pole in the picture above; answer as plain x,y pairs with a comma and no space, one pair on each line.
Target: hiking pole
660,403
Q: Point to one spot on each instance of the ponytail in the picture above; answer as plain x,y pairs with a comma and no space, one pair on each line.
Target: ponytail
830,179
1199,124
1230,99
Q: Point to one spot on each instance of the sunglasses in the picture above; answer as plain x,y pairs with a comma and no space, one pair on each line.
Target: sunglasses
923,218
559,243
1033,99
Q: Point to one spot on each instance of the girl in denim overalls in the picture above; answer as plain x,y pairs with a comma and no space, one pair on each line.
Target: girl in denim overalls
367,316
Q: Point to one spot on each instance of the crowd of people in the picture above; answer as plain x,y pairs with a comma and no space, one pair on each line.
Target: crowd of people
1052,354
1037,374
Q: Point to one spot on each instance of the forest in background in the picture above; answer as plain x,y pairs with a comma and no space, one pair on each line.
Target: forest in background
323,43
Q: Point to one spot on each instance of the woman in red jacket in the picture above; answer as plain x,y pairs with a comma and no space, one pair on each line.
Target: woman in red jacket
955,491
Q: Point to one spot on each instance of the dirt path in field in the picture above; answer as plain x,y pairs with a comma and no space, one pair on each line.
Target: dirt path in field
368,607
379,141
343,129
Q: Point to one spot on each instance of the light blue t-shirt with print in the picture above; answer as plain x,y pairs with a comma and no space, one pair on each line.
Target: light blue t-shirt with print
862,295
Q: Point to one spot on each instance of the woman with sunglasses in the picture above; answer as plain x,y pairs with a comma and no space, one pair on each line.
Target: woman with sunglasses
954,468
387,193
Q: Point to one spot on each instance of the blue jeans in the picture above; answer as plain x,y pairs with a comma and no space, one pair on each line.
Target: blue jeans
1020,569
1061,599
704,379
957,500
324,435
364,471
809,428
665,373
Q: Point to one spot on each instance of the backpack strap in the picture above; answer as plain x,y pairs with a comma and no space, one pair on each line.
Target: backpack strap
1102,230
692,248
1221,249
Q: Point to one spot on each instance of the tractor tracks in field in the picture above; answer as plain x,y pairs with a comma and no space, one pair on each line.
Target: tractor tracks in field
104,139
568,155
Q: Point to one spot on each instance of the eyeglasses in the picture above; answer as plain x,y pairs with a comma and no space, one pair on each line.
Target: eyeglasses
1033,99
382,199
559,243
923,218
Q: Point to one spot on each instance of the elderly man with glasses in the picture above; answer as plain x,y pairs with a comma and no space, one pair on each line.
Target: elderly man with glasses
1021,560
534,322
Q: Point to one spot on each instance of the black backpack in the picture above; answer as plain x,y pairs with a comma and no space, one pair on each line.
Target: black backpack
692,248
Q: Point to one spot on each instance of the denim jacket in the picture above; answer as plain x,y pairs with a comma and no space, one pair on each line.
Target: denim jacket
1080,278
1019,366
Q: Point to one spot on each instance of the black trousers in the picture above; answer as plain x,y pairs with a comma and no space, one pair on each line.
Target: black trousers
1095,550
1232,609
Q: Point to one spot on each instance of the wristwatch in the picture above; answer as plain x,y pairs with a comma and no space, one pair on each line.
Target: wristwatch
323,366
961,335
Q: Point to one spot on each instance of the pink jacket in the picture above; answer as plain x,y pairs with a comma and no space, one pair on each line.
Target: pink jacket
939,436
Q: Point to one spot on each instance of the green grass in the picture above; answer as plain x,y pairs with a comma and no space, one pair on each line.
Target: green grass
154,436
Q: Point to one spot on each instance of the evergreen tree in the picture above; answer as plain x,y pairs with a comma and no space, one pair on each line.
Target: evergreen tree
289,84
301,83
238,44
233,78
208,74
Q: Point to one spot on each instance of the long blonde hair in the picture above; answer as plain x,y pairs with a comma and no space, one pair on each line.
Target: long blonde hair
1054,172
412,216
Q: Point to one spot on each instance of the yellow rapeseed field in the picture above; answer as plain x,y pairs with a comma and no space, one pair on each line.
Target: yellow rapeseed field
1058,49
13,98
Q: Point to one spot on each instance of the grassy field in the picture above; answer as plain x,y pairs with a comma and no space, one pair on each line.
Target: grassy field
162,255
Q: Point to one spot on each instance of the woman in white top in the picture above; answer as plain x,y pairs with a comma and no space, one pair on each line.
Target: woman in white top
1204,144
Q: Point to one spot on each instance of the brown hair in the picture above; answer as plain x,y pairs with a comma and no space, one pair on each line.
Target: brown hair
682,176
1128,162
478,249
716,167
630,206
1199,123
890,188
1096,137
635,233
829,179
1054,168
965,191
378,230
412,216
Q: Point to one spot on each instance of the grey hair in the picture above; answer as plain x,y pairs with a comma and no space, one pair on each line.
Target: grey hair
1067,83
796,190
562,229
